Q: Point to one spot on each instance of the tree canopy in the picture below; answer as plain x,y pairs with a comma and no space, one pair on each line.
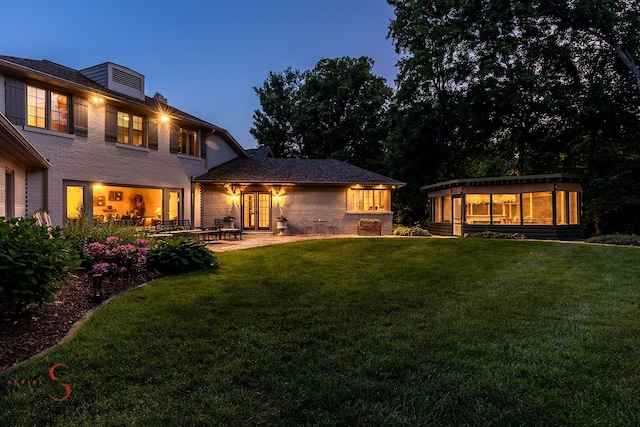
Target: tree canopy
484,88
519,87
337,110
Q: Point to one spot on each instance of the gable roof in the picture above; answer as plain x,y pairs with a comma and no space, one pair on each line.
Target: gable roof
258,170
64,76
260,152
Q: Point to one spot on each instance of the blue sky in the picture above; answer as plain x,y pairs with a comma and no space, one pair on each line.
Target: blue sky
206,56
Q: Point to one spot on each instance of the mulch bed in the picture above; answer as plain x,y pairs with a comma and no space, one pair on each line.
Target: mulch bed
30,332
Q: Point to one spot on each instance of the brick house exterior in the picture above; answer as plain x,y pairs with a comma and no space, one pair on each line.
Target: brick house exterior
102,148
107,143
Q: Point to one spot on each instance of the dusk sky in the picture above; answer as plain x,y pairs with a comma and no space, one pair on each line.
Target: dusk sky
204,56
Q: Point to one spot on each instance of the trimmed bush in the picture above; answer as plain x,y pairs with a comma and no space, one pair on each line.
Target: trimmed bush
32,260
180,254
416,230
616,239
496,235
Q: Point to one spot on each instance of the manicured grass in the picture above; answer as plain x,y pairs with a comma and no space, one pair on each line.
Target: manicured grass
358,332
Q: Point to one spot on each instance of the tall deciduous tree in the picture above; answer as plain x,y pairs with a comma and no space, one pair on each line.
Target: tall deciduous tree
337,110
546,85
273,125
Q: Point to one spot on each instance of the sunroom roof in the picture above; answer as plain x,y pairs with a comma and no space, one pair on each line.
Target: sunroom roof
504,180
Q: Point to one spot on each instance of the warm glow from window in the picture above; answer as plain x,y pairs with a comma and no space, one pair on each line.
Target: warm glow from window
59,112
477,209
367,200
187,142
130,129
36,107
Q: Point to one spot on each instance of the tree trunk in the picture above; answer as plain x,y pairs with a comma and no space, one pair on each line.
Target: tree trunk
629,62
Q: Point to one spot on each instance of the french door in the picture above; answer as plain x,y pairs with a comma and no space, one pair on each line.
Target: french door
457,216
256,211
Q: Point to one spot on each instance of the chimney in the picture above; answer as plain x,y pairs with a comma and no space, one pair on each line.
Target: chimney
158,97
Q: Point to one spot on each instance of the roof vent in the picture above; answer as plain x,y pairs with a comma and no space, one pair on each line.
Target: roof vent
117,78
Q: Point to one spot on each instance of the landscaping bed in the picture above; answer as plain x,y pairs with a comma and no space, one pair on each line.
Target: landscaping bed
33,331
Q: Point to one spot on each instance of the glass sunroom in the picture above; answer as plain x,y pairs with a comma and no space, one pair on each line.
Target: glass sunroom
539,206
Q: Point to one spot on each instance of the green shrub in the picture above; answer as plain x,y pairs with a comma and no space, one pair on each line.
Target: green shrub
32,260
180,254
403,230
616,239
80,233
496,235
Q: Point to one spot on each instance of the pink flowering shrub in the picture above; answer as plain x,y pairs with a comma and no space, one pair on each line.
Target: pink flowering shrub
115,257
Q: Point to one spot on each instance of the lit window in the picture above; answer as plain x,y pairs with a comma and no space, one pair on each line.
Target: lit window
446,209
477,209
537,208
369,200
187,142
437,209
130,129
505,208
567,208
47,110
59,112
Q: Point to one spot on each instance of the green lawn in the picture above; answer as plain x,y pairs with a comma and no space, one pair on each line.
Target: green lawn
358,332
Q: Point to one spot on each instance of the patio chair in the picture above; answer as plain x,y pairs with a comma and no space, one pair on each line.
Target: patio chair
335,225
306,227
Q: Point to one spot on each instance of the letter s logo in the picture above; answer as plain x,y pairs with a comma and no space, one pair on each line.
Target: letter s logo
53,377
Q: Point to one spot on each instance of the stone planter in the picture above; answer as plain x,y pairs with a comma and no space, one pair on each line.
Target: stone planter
281,226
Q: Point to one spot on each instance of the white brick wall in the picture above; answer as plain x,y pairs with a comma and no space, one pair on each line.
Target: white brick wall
93,160
296,204
19,176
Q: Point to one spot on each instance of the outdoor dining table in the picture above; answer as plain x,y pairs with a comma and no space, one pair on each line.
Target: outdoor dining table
320,226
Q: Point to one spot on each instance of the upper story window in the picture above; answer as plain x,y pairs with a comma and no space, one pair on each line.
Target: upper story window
47,109
130,129
188,142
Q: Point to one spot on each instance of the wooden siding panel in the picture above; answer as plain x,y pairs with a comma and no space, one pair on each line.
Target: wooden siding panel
80,117
153,135
111,124
173,140
16,100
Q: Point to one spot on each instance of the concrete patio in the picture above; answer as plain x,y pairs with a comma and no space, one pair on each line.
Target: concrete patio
251,240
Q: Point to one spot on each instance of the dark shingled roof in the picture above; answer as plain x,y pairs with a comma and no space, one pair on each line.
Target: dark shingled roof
505,180
69,76
293,171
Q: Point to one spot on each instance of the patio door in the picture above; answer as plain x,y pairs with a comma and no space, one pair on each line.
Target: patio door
173,204
256,211
457,216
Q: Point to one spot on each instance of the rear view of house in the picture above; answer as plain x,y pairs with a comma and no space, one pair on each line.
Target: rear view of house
90,142
113,152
